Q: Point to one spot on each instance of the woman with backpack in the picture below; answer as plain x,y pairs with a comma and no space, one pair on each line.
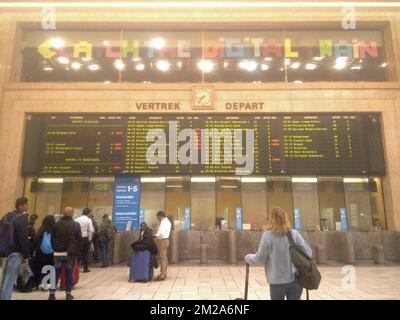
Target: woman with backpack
44,251
273,251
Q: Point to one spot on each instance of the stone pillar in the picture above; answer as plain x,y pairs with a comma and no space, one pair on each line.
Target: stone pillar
347,247
174,247
320,254
232,246
378,254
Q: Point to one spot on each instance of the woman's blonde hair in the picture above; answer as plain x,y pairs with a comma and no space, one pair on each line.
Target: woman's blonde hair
278,221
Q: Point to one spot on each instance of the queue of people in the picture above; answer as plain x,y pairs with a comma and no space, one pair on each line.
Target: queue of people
61,244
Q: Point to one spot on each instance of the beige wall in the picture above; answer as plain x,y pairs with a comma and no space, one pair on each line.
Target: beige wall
18,99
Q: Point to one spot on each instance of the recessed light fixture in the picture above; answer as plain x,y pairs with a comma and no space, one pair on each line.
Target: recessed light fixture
75,65
248,65
340,63
163,65
57,43
119,64
295,65
311,66
63,60
157,43
140,67
206,65
94,67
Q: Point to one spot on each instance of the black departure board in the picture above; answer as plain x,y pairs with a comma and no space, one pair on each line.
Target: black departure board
211,144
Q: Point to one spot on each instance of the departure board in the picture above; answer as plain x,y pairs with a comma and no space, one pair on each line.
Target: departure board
211,144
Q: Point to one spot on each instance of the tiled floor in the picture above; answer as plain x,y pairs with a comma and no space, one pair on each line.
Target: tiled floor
227,282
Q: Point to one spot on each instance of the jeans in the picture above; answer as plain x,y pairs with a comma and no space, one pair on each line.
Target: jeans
9,275
105,251
292,290
68,263
85,253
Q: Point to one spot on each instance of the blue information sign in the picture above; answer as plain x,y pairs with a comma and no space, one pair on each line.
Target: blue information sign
187,219
126,203
239,222
343,219
297,224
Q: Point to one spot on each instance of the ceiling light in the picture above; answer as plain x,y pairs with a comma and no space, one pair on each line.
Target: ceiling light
63,60
248,65
57,43
48,69
384,65
119,64
340,63
253,179
295,65
50,180
136,59
355,68
304,180
107,82
152,179
287,61
157,43
268,58
297,81
202,179
163,65
226,64
94,67
311,66
205,65
355,180
264,66
106,43
140,67
318,58
75,65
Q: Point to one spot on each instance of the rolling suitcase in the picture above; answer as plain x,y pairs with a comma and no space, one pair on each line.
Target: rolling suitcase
141,268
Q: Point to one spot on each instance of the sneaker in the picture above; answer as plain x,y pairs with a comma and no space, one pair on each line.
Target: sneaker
52,296
69,297
86,271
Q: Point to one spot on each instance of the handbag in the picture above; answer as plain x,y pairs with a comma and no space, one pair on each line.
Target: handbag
309,275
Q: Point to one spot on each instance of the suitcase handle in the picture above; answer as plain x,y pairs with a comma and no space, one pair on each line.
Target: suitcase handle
246,284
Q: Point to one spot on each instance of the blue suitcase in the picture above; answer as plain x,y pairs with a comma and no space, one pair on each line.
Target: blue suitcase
141,268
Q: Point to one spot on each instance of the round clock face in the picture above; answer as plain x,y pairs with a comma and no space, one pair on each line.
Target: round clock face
203,97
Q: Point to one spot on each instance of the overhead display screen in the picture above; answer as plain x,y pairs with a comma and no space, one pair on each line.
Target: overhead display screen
210,144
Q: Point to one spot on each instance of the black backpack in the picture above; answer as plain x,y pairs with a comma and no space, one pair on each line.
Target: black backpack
309,275
7,233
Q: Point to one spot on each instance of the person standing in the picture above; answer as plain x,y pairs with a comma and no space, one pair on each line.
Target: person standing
19,247
162,241
32,232
87,231
65,241
44,253
95,239
273,252
106,238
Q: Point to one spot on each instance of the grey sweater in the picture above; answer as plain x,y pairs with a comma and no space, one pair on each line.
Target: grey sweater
273,251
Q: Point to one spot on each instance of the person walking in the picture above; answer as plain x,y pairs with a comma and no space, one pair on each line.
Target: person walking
162,242
273,252
14,235
106,238
87,231
65,241
44,253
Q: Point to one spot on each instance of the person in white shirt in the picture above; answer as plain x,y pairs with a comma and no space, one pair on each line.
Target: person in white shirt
87,231
162,241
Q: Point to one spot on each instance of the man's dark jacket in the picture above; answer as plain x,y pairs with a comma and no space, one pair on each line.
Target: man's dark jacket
66,236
